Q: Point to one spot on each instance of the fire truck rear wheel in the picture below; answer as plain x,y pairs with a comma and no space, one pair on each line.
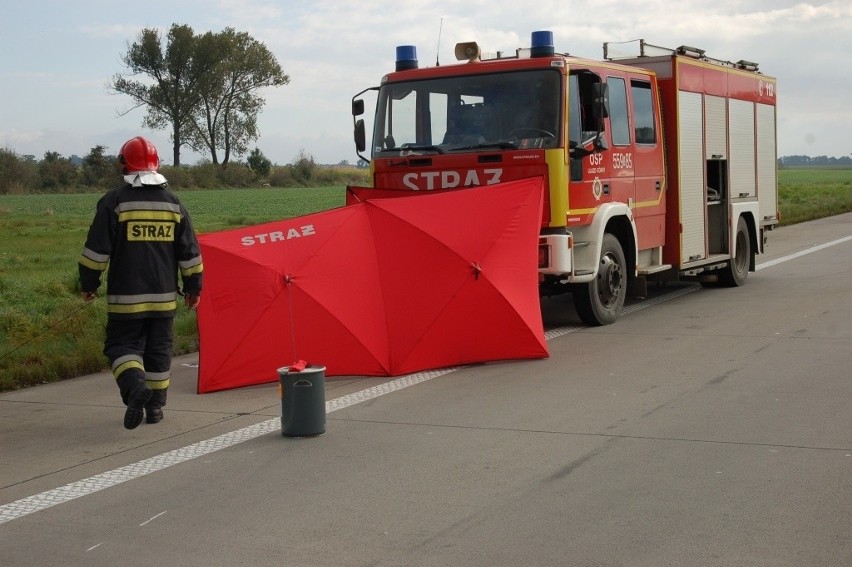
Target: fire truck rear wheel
737,271
600,301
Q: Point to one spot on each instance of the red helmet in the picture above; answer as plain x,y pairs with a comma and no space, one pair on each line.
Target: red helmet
139,154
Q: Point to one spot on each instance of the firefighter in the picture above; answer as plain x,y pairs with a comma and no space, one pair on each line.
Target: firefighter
144,233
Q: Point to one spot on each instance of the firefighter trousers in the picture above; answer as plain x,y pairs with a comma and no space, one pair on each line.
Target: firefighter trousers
140,351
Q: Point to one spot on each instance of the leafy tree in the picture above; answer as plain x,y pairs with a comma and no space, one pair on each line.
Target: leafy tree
304,167
226,118
202,86
57,172
174,75
99,169
259,163
18,174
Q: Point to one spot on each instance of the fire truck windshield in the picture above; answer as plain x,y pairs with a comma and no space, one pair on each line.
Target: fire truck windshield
467,113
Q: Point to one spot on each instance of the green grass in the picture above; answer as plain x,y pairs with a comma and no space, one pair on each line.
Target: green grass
809,193
47,333
230,208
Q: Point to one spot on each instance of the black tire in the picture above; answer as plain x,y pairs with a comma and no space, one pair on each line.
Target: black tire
600,301
736,273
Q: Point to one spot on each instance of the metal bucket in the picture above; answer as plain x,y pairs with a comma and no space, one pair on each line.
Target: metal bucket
302,396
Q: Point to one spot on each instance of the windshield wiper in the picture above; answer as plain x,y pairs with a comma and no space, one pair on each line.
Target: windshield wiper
502,144
416,148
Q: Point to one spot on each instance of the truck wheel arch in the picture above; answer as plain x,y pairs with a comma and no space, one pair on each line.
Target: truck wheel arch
616,219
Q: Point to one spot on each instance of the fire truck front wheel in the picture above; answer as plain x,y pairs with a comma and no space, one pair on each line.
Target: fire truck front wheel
600,301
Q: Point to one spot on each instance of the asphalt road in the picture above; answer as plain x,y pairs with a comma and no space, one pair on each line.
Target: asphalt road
705,427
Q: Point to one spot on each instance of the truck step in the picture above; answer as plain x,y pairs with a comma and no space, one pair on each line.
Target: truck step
647,270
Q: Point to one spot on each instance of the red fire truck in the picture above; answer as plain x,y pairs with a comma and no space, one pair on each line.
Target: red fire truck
657,166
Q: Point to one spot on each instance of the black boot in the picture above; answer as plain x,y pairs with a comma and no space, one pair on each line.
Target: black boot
136,394
154,407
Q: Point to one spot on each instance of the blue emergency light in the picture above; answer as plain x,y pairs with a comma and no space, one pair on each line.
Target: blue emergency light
541,44
406,57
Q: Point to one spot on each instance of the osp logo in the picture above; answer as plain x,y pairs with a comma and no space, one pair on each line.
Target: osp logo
430,180
278,235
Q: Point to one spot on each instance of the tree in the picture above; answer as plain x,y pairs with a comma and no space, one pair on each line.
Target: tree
57,172
177,73
226,118
259,163
99,169
18,174
304,167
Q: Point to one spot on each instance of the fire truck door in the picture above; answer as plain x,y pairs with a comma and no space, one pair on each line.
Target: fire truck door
649,208
621,153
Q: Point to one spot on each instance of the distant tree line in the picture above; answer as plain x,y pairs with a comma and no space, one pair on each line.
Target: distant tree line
20,174
98,171
793,161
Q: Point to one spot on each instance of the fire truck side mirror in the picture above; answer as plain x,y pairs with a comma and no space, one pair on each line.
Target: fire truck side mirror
577,151
360,135
593,145
358,107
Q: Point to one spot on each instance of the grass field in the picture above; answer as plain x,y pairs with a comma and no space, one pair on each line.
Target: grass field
808,193
47,333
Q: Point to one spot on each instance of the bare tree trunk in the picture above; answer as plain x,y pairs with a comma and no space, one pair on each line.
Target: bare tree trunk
176,145
227,131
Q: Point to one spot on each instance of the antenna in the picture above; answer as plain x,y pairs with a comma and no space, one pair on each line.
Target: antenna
440,27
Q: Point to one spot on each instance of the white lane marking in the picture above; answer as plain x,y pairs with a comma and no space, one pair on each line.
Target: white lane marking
95,546
660,299
85,487
811,250
71,491
554,333
383,389
151,519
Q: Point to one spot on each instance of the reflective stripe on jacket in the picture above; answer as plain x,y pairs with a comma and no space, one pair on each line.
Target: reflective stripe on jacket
145,236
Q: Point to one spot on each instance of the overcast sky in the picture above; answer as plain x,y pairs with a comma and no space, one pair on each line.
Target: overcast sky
57,56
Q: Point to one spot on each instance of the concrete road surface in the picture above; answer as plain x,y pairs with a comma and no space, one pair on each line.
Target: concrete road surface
705,427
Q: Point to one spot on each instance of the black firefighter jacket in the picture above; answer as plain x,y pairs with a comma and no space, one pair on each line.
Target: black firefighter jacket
145,235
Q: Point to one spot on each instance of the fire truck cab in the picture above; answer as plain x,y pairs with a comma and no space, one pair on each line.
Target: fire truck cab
658,165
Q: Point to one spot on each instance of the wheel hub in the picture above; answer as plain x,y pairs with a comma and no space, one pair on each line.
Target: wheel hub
610,280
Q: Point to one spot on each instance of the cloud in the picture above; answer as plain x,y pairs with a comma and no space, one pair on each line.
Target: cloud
21,138
257,9
110,31
333,49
